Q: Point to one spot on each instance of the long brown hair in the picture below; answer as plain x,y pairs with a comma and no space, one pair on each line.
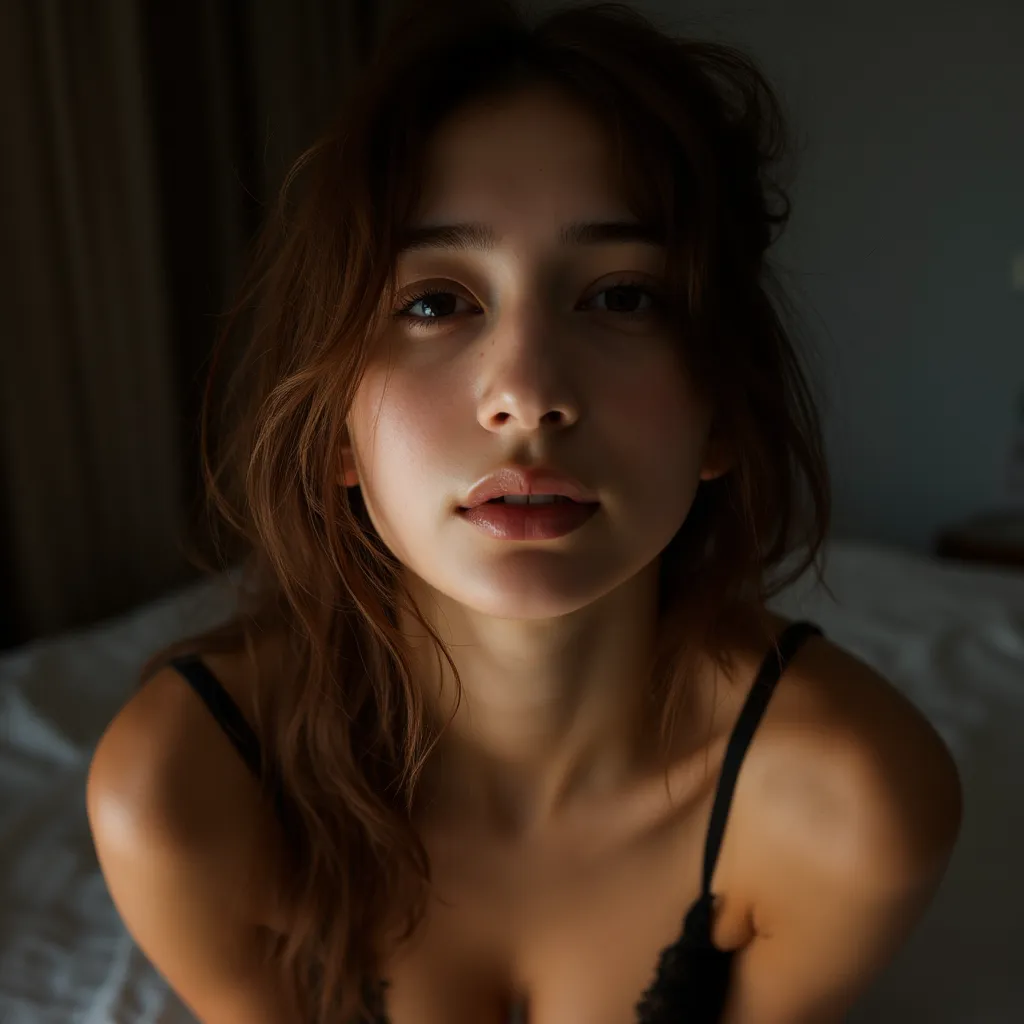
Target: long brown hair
698,137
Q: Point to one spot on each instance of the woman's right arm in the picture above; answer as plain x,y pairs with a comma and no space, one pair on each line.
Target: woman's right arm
184,846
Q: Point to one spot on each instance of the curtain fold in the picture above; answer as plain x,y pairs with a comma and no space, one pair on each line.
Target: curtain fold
142,143
90,452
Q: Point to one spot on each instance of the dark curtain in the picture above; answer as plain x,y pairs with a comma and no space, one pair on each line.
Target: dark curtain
145,142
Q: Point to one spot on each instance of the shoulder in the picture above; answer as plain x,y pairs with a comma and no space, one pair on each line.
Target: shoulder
182,842
842,765
165,781
843,737
852,812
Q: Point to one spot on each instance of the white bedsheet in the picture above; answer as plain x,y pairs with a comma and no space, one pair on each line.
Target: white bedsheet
951,638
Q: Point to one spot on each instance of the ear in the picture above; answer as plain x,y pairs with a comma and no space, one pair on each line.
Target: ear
349,475
719,457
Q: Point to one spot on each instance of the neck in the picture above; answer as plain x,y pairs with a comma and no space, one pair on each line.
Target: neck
553,712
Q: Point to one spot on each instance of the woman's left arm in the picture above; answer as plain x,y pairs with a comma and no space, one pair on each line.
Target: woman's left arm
845,882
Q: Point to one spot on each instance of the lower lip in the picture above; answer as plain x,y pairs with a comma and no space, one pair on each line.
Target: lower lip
530,522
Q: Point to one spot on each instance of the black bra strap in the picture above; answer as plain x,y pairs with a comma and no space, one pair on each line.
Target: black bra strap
222,706
774,664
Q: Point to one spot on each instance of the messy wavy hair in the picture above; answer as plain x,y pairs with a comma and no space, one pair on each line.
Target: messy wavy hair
698,139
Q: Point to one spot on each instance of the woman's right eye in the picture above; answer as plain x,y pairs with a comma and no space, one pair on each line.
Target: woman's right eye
438,301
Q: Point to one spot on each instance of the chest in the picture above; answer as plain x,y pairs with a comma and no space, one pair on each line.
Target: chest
562,933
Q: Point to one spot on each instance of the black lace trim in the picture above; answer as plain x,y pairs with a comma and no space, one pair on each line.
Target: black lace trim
692,976
690,982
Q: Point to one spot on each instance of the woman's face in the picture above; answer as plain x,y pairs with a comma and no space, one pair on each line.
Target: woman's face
526,356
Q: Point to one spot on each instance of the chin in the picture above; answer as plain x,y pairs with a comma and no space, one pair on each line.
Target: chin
537,587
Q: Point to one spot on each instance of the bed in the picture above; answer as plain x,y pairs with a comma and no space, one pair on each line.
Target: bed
949,635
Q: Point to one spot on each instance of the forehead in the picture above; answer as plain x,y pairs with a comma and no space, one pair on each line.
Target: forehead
533,159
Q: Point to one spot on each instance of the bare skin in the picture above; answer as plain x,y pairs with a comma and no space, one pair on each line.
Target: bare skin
565,865
573,919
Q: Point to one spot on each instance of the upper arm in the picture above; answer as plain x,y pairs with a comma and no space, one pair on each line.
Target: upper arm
171,841
842,892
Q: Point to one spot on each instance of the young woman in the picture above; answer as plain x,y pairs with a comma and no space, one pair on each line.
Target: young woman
518,451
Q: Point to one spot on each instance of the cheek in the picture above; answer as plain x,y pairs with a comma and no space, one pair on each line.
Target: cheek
404,432
655,432
406,451
658,425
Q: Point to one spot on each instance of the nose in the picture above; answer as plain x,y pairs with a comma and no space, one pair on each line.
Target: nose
525,383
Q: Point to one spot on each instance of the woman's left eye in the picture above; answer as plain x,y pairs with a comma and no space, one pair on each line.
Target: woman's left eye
617,301
622,296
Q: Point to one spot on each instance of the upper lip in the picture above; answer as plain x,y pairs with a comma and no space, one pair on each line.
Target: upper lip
513,479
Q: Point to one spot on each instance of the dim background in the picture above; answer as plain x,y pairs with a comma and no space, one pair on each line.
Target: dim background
142,143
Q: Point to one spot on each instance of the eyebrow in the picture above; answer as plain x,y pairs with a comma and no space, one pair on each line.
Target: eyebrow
473,235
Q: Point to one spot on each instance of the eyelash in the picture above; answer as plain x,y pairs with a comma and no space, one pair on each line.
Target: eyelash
434,322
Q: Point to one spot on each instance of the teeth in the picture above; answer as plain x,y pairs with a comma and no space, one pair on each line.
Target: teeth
532,499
